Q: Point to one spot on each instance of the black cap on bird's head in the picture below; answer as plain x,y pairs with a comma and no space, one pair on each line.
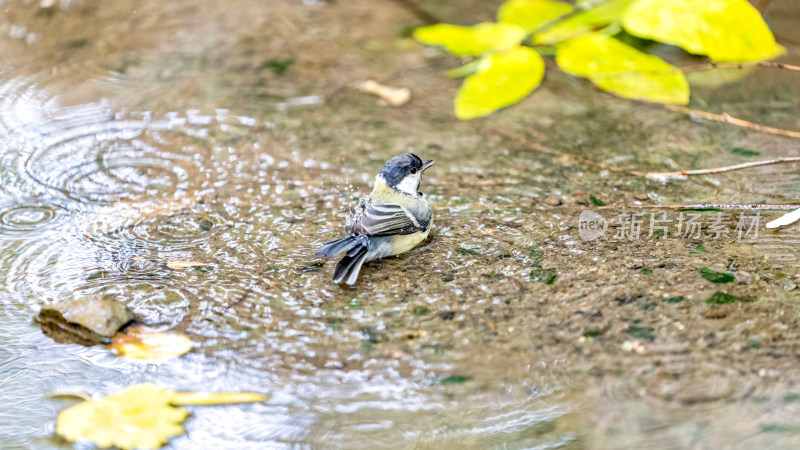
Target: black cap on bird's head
401,166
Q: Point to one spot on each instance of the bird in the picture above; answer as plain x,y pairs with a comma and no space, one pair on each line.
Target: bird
394,218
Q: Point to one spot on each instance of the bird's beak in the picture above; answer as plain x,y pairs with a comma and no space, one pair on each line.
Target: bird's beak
426,164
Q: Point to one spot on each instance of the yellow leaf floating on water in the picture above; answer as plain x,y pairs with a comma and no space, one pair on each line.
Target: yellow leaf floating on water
143,343
185,264
499,81
531,14
623,70
725,30
476,40
141,416
601,15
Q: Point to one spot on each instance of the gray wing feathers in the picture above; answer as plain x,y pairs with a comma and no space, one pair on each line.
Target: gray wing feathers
384,220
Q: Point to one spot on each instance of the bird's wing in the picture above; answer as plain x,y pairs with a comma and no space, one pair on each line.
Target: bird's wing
383,220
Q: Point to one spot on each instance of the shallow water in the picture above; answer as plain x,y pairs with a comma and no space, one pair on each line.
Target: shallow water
136,133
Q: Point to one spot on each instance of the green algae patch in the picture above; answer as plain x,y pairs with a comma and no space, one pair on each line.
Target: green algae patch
546,276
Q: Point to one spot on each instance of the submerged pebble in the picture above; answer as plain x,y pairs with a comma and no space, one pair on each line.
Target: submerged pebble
86,320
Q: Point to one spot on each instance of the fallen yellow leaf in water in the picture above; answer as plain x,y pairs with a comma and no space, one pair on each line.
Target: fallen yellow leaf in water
146,344
141,416
185,264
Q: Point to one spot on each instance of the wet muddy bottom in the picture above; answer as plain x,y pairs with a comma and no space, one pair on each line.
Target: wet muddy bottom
229,134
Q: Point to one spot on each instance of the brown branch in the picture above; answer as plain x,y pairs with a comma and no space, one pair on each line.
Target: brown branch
683,174
727,118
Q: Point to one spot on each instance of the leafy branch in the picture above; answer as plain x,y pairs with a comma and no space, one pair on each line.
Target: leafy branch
508,54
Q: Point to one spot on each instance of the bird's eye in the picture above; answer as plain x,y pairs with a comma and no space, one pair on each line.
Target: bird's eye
413,170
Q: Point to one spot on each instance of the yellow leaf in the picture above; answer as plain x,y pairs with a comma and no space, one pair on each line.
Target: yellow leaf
725,30
531,14
141,416
500,81
599,16
185,264
623,70
216,398
476,40
146,344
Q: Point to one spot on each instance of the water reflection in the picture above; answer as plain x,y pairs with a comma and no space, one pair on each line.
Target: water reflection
131,193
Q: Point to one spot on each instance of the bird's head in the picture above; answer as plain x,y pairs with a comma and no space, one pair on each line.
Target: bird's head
404,172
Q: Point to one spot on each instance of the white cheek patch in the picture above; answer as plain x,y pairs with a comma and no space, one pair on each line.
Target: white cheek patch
410,184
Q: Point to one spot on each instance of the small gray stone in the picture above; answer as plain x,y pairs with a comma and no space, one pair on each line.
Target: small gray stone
86,320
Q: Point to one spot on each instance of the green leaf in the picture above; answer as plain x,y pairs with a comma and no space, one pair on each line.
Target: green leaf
596,201
623,70
584,22
500,81
452,379
531,14
698,249
716,277
721,298
744,151
725,30
676,299
476,40
593,333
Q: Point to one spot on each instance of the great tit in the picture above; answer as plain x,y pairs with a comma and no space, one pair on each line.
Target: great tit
391,220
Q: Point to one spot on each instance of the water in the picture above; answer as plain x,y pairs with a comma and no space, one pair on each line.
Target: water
136,134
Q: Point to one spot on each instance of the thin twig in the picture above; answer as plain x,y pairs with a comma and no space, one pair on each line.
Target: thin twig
727,118
750,206
713,65
683,174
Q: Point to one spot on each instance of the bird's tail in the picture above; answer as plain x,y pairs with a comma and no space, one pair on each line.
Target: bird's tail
348,268
336,246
